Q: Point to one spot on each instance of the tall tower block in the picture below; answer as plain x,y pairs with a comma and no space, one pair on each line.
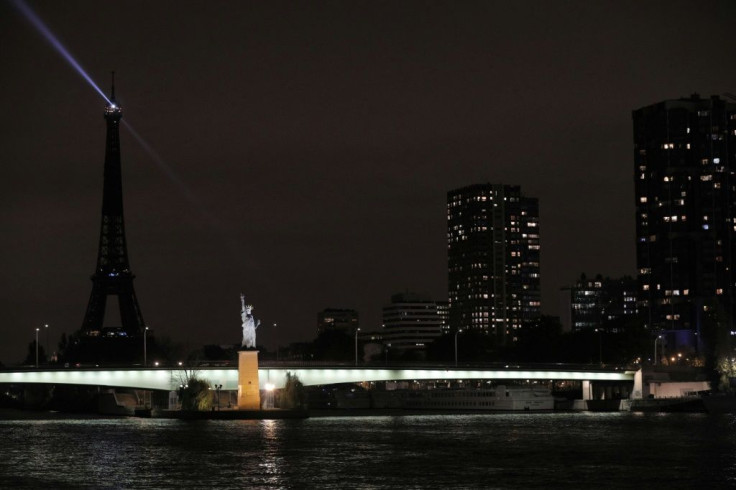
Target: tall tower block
493,254
684,174
112,276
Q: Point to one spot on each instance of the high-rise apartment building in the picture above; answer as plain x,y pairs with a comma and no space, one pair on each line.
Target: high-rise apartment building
443,310
493,259
684,186
598,303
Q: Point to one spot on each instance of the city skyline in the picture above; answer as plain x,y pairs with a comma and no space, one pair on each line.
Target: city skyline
301,154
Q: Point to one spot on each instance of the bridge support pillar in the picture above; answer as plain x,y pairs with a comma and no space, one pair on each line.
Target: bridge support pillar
249,394
587,390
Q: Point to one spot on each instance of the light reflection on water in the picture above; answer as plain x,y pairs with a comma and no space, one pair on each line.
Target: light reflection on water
612,450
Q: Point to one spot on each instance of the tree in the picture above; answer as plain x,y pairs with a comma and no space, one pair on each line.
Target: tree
31,356
194,392
293,395
726,368
334,345
538,342
441,349
717,345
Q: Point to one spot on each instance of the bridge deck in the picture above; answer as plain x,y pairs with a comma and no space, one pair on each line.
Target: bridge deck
170,379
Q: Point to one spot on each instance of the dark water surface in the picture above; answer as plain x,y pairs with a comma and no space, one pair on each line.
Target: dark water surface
559,450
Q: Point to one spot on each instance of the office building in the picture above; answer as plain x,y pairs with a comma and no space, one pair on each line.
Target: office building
341,319
411,322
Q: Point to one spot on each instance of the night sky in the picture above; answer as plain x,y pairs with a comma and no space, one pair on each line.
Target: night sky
302,151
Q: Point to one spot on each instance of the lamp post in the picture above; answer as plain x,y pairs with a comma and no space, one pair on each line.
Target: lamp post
600,345
37,346
659,337
217,391
145,348
456,332
48,351
356,345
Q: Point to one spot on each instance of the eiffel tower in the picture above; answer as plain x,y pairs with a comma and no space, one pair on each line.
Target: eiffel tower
112,276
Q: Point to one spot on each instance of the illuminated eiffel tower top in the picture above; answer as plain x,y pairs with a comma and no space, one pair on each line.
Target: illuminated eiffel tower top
112,275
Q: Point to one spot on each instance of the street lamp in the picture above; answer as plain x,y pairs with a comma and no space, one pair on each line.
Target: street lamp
48,351
456,332
37,346
659,337
145,347
277,345
600,345
356,345
217,391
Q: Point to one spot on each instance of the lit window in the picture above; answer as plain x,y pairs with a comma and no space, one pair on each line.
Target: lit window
643,199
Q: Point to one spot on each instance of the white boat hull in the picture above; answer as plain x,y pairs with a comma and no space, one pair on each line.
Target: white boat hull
511,399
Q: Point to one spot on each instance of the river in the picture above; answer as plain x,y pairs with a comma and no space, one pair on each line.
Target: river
504,451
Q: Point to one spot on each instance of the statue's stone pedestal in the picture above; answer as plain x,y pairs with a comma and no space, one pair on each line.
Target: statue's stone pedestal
249,394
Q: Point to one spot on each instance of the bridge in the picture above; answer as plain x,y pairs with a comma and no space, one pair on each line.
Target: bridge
171,378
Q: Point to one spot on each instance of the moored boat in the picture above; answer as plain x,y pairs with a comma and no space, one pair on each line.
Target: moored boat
499,398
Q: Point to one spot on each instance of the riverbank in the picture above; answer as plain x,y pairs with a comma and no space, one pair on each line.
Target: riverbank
18,414
271,414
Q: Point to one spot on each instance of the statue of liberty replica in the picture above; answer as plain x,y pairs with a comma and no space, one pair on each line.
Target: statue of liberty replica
249,397
250,324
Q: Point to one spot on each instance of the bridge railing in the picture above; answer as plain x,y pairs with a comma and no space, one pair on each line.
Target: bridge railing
342,365
449,365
